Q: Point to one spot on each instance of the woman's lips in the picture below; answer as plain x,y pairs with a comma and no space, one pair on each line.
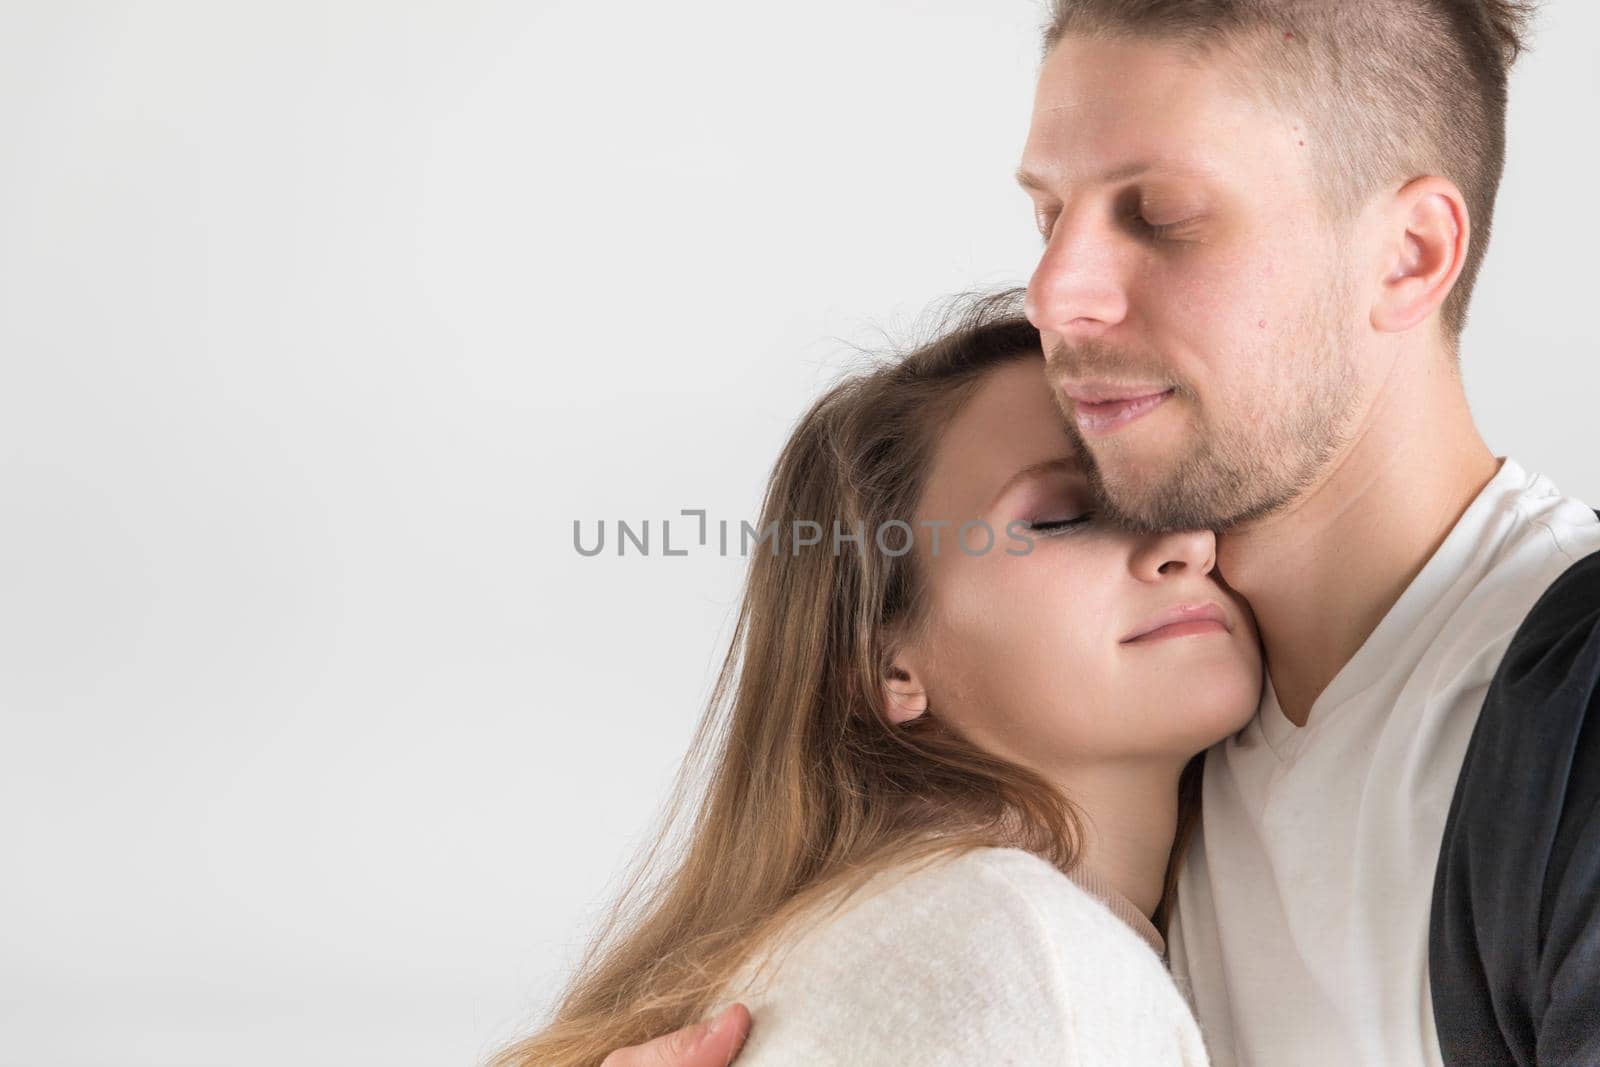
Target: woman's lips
1105,417
1184,620
1179,629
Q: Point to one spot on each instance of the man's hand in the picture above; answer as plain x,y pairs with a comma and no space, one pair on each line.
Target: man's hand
708,1044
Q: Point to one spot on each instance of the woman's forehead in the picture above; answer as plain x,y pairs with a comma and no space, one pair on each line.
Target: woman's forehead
1015,414
1011,423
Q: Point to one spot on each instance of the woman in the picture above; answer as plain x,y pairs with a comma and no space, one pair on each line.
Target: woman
940,817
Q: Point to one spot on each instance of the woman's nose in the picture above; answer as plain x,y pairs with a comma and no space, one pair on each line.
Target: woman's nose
1167,555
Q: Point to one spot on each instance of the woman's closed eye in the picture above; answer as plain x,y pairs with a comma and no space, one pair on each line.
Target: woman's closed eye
1052,527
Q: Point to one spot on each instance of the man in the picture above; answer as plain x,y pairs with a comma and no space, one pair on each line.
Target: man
1263,220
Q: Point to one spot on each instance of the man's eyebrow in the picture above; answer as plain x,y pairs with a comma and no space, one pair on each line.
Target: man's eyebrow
1056,465
1126,172
1028,181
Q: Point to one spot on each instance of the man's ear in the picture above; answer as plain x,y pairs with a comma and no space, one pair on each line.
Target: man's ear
1431,231
905,695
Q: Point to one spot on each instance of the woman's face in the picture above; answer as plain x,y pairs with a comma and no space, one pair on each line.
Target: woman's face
1094,644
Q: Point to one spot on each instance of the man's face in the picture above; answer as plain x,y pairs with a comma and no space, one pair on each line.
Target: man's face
1198,314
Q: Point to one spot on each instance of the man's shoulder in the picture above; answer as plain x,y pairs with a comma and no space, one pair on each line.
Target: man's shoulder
1547,522
1533,749
1518,879
1524,572
1571,602
1547,678
1551,662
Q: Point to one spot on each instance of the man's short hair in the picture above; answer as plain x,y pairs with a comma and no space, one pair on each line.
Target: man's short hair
1391,90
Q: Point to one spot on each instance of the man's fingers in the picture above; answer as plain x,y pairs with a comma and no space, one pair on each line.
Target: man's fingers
707,1044
726,1038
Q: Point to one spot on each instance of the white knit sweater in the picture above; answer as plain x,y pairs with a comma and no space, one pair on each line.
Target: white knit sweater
994,957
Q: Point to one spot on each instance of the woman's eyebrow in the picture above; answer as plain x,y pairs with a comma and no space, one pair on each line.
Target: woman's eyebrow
1056,465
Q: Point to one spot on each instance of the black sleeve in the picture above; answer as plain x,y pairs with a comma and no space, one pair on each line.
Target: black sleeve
1514,938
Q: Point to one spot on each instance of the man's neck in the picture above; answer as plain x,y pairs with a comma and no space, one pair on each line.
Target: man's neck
1321,574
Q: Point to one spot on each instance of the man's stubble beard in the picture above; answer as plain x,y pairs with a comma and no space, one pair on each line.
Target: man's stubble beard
1275,447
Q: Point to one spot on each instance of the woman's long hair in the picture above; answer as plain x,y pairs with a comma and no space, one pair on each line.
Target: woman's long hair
809,788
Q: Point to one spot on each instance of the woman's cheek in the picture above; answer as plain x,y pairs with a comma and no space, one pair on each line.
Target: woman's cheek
968,604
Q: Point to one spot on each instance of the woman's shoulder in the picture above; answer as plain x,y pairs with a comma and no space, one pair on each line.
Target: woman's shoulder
990,902
1032,888
956,896
1044,913
983,877
990,945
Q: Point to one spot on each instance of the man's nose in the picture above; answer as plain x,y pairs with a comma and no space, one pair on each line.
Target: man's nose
1077,292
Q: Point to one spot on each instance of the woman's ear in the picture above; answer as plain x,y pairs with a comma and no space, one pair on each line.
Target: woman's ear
904,694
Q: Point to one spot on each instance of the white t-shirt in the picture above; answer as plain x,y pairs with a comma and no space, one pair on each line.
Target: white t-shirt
993,957
1302,921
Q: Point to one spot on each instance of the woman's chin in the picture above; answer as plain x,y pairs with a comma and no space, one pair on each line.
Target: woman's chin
1213,705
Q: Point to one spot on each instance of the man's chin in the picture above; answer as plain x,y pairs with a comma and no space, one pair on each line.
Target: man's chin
1154,497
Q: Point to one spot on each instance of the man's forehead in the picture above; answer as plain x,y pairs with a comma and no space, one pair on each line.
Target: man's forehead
1110,111
1133,140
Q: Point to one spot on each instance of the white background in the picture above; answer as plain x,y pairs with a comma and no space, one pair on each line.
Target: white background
319,325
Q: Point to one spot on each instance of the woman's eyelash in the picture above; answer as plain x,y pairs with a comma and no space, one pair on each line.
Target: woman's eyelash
1059,526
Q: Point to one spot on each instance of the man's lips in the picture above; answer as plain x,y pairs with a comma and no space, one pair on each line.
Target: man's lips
1100,411
1086,391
